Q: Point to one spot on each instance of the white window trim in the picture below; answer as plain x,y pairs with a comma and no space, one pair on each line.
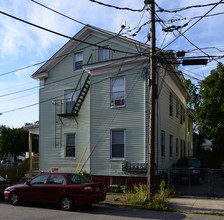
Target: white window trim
117,158
75,62
101,50
117,106
69,157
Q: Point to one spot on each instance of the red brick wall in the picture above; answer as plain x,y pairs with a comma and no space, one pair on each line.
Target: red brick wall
130,181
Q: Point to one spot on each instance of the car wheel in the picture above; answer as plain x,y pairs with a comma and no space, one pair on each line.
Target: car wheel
15,198
66,203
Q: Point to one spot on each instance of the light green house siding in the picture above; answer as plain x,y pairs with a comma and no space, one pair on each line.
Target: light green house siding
171,124
96,119
60,78
131,118
52,155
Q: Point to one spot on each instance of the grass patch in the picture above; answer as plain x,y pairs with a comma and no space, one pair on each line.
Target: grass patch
138,196
208,213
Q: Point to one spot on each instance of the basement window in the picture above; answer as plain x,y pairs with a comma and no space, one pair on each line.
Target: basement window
117,181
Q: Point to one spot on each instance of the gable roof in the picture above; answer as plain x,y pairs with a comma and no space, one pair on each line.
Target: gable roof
80,38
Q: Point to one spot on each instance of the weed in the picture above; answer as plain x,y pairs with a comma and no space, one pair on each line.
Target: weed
158,202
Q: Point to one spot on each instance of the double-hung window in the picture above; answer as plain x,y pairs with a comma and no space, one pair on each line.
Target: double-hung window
177,108
171,104
104,54
117,86
69,100
162,143
70,145
171,145
78,61
181,114
117,144
177,147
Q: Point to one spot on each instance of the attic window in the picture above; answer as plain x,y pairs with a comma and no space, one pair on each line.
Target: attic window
103,54
78,61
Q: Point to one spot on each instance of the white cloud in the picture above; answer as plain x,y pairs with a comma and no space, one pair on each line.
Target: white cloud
22,45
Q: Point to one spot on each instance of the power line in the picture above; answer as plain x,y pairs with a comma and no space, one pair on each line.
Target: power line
194,23
53,58
192,18
116,7
24,90
62,35
52,98
185,8
58,13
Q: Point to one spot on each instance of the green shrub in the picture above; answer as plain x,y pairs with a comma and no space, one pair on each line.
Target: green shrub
138,195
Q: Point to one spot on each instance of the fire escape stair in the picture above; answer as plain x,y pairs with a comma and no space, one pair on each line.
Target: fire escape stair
81,96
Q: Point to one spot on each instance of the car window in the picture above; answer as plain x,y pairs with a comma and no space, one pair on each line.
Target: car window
194,163
56,179
182,162
77,178
1,178
39,179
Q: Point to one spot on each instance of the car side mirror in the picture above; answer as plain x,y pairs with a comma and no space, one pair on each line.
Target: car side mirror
28,183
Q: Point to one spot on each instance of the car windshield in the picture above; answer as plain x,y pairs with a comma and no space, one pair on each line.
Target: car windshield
77,178
194,163
184,162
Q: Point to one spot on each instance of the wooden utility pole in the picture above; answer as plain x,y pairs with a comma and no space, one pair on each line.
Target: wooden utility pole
152,101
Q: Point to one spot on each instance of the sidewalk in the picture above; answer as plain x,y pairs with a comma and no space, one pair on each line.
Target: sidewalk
194,204
183,204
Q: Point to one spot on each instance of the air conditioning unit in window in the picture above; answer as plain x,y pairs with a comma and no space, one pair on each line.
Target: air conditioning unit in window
119,102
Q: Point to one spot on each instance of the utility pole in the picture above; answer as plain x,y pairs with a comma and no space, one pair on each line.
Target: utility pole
152,101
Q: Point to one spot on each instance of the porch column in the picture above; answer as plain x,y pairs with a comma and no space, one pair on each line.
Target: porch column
30,151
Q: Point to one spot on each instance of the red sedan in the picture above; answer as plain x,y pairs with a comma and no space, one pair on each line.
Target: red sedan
65,189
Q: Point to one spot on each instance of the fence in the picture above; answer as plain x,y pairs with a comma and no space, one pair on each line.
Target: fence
197,182
14,171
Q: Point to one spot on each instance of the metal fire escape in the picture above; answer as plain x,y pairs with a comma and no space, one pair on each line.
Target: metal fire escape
60,106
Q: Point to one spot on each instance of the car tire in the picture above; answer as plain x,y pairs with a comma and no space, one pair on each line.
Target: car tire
66,203
15,198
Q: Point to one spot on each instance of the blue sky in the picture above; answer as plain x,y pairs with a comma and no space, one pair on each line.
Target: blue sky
22,45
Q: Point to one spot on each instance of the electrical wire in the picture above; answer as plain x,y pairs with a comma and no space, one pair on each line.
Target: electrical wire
59,34
58,12
56,97
194,23
56,57
185,8
116,7
192,18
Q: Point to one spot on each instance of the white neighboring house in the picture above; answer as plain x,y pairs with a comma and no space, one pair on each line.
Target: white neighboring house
207,145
